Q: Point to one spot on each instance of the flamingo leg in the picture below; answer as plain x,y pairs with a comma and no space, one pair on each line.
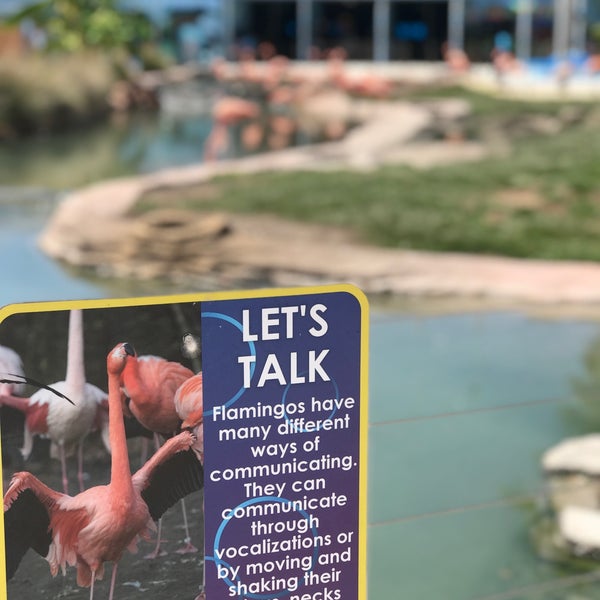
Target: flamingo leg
202,594
63,464
27,443
157,551
188,547
113,579
80,466
144,452
92,585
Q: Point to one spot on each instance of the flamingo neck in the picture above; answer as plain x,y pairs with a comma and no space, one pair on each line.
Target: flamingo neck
120,473
75,377
17,402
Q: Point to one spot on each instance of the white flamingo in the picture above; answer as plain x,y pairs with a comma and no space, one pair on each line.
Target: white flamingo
11,364
65,424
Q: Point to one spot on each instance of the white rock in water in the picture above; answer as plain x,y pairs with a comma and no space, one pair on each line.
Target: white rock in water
579,454
580,526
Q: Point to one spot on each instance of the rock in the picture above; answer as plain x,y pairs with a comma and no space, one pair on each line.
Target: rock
581,528
326,106
574,455
573,490
572,468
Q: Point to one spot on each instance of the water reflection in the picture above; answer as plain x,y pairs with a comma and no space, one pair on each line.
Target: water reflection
141,143
128,144
27,274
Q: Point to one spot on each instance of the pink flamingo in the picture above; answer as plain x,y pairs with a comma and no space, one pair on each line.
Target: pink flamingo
227,111
150,383
97,525
66,424
190,407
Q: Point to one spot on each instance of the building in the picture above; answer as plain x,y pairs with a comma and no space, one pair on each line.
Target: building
412,29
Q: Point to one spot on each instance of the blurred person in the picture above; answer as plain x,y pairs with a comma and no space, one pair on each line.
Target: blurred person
456,58
266,50
252,136
503,59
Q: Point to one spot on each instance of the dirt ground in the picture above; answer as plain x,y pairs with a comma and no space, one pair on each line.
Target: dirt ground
164,578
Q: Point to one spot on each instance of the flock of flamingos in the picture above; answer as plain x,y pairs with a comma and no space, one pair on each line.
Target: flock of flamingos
98,524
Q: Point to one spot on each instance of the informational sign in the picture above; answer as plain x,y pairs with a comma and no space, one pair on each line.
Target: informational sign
277,448
284,417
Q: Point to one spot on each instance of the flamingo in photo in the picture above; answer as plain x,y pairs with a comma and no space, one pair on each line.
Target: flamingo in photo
11,365
65,424
97,525
189,406
188,397
149,383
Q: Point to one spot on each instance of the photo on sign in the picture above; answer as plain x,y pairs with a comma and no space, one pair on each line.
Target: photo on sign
64,373
212,448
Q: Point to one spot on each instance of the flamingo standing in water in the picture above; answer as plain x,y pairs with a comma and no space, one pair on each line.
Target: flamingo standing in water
150,383
227,111
97,525
65,424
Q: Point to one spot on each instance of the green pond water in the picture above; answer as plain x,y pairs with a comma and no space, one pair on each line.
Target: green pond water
462,406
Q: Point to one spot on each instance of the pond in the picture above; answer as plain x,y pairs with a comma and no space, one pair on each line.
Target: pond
462,406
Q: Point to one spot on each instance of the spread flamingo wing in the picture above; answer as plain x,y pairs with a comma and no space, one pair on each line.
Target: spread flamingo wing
27,507
170,474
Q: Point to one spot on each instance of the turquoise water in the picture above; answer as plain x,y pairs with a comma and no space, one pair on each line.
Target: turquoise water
462,407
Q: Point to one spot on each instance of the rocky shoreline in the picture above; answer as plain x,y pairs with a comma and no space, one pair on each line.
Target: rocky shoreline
95,228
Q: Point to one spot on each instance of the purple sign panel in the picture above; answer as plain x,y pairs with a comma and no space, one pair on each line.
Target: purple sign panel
284,434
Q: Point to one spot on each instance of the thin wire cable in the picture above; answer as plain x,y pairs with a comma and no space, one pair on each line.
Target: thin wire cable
461,509
459,413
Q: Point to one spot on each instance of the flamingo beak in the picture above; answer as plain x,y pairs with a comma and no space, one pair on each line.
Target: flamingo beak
35,383
128,349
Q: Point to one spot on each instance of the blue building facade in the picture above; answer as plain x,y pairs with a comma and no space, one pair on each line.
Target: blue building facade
414,29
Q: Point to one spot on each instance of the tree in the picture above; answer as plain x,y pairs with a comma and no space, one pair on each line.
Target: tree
72,25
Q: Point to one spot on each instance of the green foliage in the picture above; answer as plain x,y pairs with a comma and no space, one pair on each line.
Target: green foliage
73,25
50,93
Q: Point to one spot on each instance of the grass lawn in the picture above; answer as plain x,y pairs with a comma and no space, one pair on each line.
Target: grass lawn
541,199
